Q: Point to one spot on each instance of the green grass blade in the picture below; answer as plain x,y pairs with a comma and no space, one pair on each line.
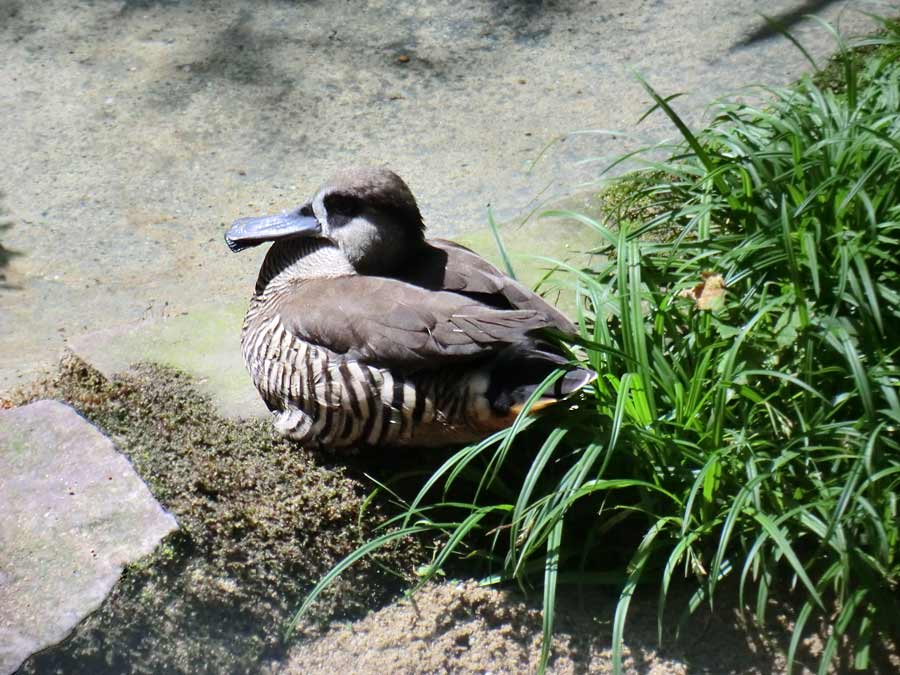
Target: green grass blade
635,570
774,532
781,28
551,571
501,248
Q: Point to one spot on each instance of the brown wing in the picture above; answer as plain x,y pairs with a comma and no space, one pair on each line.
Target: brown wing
451,267
392,323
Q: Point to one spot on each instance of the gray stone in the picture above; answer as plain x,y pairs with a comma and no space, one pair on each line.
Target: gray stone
74,512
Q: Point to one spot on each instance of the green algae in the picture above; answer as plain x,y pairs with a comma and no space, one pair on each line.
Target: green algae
209,332
260,521
202,342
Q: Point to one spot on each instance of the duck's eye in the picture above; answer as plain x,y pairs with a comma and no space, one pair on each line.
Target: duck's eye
342,205
306,210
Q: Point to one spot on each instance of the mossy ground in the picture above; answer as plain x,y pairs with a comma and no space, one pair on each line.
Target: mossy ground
260,521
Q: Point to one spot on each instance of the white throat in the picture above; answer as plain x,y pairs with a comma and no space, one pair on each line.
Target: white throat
300,259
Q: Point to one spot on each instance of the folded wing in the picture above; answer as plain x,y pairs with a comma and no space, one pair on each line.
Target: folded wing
400,325
455,268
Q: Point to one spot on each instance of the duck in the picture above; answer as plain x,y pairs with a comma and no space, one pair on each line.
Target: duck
361,332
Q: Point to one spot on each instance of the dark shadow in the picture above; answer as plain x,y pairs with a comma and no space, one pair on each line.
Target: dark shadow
6,254
239,54
133,5
784,20
523,18
9,9
10,12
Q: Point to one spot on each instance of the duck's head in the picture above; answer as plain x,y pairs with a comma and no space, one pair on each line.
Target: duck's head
369,214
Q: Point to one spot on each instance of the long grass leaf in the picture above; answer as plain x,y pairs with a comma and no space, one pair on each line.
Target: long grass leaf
635,570
501,248
774,532
551,571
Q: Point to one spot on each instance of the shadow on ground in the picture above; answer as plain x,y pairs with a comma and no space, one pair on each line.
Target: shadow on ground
247,54
783,22
6,255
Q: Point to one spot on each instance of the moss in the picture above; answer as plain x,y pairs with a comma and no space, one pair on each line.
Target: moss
260,521
834,75
633,197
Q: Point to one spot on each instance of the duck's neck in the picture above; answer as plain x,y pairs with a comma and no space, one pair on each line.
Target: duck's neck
391,260
298,259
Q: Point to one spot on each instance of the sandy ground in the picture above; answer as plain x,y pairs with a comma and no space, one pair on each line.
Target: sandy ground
459,627
462,628
134,131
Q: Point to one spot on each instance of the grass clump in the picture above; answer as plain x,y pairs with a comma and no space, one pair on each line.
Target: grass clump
259,521
745,422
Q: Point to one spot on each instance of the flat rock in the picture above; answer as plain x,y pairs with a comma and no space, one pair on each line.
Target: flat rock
74,513
203,342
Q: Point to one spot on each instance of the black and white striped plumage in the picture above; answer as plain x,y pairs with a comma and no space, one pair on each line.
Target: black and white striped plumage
362,333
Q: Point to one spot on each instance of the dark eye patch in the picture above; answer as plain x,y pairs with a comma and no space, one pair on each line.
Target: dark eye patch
342,205
306,210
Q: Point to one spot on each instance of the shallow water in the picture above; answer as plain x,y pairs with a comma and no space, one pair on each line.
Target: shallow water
137,130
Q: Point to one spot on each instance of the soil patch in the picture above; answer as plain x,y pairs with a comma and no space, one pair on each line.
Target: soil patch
464,628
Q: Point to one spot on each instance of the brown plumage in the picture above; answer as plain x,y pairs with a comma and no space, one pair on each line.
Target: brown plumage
362,332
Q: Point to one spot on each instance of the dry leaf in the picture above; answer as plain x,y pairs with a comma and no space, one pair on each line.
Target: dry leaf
709,294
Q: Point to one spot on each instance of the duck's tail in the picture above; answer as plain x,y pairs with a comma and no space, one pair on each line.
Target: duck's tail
519,372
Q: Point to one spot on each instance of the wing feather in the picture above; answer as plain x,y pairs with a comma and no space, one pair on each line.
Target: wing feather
455,268
400,325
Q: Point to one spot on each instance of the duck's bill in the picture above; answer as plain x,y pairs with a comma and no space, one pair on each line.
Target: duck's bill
248,232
